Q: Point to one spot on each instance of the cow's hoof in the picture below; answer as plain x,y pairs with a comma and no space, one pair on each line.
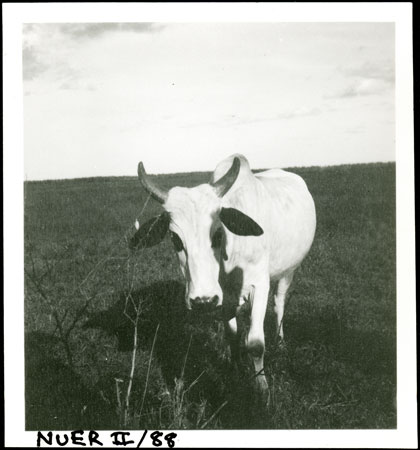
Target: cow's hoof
262,399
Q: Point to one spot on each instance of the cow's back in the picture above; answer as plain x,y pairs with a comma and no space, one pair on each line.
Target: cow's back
289,219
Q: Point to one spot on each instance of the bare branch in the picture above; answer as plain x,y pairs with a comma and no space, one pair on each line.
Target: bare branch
148,369
214,415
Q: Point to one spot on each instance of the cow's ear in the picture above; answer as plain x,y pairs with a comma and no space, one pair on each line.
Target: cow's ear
151,232
239,223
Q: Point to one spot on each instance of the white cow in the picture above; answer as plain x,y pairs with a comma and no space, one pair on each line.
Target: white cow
233,237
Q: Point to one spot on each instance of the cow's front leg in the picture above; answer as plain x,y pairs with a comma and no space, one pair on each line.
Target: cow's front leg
255,342
231,327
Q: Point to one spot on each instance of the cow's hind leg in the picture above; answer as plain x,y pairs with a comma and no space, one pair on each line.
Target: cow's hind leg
280,301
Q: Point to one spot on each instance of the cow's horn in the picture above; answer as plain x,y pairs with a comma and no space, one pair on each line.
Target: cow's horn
156,192
226,182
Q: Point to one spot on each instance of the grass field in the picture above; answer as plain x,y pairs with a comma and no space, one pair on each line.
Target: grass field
86,295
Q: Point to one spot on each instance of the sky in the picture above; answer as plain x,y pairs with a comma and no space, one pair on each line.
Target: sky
100,97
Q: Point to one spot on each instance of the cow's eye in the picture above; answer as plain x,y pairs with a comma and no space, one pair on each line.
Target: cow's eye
177,242
216,240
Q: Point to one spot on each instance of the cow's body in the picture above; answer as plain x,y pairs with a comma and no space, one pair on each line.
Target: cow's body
279,203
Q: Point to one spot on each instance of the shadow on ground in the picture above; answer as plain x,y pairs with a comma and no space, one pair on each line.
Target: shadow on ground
56,398
315,341
201,336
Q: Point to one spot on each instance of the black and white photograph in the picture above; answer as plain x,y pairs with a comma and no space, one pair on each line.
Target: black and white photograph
209,225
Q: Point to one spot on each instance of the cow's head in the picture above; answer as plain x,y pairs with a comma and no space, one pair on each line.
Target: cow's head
197,223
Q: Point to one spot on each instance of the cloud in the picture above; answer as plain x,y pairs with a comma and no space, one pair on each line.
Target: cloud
77,85
31,64
383,70
45,46
299,112
366,79
93,30
356,129
302,111
362,87
238,120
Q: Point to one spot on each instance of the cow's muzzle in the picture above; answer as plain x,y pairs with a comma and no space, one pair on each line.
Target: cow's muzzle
204,304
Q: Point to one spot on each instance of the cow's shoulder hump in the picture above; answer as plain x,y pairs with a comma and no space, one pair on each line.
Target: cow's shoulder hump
226,164
282,176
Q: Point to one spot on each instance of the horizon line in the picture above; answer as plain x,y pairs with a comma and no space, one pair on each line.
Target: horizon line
206,171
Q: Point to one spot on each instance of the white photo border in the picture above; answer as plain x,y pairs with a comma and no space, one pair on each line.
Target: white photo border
14,15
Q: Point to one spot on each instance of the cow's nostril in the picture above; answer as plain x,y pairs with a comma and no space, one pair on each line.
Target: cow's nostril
198,301
214,300
204,302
